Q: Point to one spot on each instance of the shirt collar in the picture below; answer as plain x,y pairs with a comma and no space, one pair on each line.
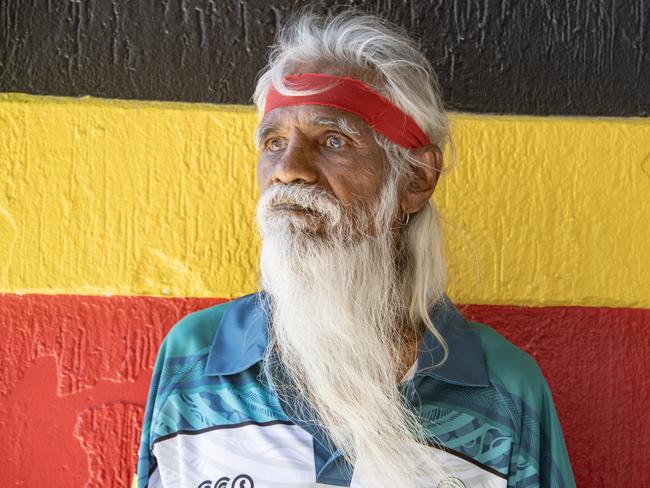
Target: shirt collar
241,340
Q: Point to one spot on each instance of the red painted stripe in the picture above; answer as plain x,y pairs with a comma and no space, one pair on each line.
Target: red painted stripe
74,374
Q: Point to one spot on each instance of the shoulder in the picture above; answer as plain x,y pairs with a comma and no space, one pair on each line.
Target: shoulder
211,335
510,367
540,457
184,349
194,332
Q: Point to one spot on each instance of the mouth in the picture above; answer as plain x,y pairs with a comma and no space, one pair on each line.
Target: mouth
289,207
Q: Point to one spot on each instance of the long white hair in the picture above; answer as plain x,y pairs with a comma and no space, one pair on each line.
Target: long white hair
339,304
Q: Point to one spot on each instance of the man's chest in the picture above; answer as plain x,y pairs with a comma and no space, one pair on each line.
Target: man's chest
281,454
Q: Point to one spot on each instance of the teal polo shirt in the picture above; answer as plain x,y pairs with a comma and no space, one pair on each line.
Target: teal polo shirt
213,421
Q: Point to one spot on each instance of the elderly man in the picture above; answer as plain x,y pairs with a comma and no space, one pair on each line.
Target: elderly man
350,367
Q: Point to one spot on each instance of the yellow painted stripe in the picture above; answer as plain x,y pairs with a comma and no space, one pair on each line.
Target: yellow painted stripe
153,198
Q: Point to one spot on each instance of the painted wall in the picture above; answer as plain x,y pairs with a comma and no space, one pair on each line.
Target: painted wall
122,211
497,56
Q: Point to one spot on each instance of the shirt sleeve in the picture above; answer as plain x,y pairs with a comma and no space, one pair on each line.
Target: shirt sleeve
540,458
147,472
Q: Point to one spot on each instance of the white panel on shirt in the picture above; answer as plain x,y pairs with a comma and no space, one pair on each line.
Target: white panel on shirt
460,474
272,456
154,480
275,456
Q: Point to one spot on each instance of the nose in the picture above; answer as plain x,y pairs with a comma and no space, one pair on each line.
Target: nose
297,164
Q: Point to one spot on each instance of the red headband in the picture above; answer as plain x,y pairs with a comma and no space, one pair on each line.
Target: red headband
352,96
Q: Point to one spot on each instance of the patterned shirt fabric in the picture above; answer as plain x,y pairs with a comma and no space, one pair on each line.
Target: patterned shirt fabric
212,419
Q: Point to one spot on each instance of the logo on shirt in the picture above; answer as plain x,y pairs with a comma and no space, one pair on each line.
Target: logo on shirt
240,481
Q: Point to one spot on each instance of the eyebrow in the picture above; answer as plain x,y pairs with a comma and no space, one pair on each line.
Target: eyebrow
261,132
339,124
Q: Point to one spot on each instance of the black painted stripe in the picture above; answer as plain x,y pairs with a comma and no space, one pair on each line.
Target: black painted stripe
580,58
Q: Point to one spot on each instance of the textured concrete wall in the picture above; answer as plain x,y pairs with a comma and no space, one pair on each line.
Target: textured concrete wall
157,199
119,217
551,57
132,199
74,374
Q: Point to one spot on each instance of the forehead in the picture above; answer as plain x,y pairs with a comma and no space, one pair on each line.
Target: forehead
313,116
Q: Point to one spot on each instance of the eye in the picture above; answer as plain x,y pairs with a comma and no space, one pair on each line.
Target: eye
275,144
334,142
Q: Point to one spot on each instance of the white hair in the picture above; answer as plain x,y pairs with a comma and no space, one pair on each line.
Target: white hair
339,302
354,41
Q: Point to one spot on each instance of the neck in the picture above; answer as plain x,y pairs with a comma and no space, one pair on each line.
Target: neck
408,351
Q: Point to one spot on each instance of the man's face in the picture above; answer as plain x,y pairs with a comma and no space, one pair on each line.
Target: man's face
321,147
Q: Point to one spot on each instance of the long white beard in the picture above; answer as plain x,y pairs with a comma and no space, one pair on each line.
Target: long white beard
338,309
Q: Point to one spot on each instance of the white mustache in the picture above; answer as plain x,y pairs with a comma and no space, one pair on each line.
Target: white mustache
310,198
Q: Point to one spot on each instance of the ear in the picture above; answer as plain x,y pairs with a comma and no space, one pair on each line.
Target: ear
419,186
